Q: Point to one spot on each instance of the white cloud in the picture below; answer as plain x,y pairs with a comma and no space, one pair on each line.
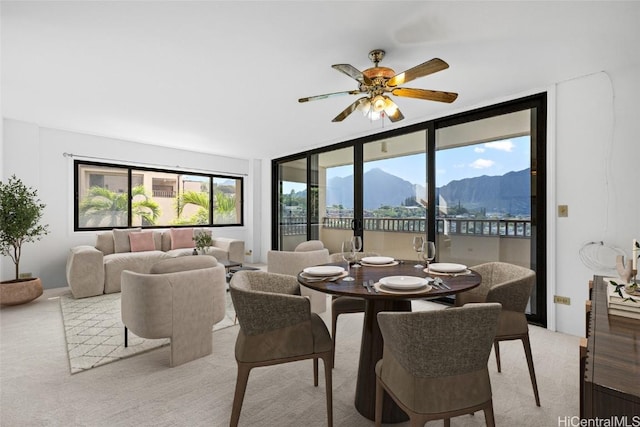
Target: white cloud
504,145
479,150
440,171
459,165
482,164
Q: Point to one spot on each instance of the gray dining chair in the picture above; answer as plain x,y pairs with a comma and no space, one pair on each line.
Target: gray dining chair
509,285
276,326
434,363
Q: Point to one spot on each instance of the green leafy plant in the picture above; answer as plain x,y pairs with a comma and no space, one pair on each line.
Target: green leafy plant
20,215
203,241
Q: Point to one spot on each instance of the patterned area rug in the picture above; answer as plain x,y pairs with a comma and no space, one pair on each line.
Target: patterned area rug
95,333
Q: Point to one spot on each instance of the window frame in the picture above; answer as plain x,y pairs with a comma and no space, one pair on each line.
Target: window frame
127,170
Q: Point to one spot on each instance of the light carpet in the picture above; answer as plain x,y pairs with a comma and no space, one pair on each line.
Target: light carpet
95,334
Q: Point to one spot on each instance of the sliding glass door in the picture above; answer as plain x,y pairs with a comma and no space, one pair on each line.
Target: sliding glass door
473,183
487,185
394,189
337,200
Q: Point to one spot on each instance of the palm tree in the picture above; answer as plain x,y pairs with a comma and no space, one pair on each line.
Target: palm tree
102,204
225,208
197,198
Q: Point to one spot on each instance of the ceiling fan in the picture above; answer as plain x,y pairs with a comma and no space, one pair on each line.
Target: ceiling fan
377,82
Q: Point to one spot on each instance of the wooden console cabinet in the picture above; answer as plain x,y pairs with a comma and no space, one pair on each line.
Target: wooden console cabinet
611,382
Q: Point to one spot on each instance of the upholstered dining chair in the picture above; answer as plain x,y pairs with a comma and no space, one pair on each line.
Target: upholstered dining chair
511,286
434,363
293,262
276,326
181,299
309,245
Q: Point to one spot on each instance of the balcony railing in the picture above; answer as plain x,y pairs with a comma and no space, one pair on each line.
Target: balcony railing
164,193
515,228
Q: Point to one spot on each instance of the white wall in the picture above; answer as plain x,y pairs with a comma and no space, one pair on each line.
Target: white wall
35,155
597,175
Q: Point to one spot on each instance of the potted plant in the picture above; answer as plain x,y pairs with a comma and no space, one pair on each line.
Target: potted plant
203,241
20,215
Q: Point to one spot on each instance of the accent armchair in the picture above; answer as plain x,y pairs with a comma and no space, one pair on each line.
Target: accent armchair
181,299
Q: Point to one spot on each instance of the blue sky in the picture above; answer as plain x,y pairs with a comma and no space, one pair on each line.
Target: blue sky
491,158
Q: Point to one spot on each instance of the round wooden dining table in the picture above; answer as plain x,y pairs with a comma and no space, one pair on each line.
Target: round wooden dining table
384,300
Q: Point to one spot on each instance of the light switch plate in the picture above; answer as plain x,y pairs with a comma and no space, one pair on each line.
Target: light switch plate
563,210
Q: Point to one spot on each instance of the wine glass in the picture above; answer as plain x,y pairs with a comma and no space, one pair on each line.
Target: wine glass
418,244
348,254
357,246
429,253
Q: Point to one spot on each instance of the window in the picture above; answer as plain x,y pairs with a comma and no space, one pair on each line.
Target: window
109,196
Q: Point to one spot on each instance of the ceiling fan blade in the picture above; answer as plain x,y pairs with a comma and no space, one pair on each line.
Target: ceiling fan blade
391,110
429,95
432,66
350,109
329,95
353,72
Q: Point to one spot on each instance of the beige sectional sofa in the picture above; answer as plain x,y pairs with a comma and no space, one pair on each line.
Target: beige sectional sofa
94,270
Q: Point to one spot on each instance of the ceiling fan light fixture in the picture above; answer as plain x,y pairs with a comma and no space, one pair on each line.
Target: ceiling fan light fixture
378,103
364,107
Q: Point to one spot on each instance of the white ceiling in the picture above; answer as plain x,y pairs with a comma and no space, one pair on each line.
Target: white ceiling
223,77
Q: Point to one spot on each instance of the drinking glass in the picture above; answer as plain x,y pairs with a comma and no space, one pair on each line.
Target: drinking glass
357,246
418,244
348,254
429,253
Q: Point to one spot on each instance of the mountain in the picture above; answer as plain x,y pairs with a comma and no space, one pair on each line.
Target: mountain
508,193
380,189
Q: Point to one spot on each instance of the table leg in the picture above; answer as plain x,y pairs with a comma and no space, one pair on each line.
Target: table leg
370,353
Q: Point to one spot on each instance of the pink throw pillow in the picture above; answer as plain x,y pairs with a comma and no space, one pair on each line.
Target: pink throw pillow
142,241
182,238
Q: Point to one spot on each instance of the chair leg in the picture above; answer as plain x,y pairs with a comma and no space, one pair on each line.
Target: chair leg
447,422
329,388
315,372
496,346
379,396
238,397
532,372
334,323
126,337
488,415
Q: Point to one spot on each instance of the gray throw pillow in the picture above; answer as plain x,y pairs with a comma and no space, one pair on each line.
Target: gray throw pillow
121,239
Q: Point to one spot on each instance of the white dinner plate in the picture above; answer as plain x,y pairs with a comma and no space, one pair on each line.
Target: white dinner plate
377,260
391,264
386,289
324,270
447,267
404,282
